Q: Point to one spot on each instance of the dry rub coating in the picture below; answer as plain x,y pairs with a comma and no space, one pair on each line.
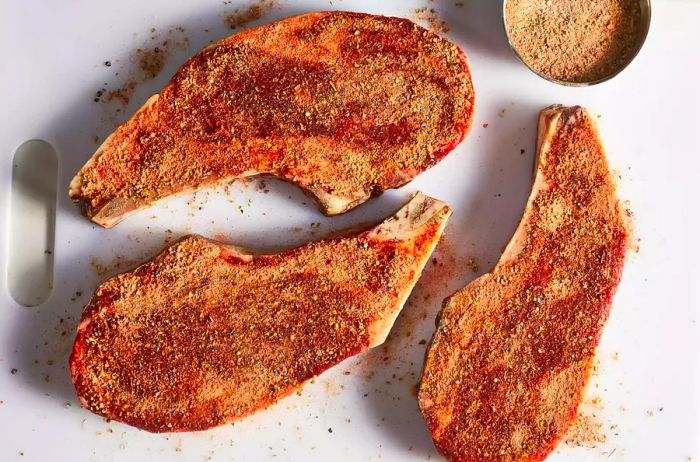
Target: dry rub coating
205,333
506,369
345,105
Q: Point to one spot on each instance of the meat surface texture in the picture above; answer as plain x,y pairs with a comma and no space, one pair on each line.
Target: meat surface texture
207,333
344,105
507,366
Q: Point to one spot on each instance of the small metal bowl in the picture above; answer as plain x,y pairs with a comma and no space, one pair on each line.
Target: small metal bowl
645,17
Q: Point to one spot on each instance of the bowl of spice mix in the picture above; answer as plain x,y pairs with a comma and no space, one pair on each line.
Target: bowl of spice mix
576,42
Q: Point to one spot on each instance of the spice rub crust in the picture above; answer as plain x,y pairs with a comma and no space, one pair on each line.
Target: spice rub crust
513,351
205,333
345,105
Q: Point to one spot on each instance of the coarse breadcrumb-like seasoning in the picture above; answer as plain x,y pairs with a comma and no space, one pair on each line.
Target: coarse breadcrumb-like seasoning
574,40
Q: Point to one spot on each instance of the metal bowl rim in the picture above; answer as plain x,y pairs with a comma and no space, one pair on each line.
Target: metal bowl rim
646,5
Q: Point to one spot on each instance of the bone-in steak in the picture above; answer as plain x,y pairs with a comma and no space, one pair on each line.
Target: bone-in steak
344,105
506,369
206,333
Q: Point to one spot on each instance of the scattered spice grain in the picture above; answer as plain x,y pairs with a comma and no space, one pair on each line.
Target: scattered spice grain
585,431
242,16
431,16
151,61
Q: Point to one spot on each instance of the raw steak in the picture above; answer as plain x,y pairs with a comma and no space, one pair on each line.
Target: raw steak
344,105
207,333
507,367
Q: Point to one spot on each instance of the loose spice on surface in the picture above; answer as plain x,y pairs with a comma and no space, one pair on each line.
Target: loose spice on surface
151,61
122,94
574,40
102,268
148,60
242,16
585,431
431,16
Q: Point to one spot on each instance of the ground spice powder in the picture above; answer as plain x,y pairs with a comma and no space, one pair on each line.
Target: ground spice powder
574,40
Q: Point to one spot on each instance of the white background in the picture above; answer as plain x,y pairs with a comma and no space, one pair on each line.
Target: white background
647,380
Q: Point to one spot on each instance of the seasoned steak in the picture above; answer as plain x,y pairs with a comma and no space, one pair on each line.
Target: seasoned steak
513,351
344,105
207,333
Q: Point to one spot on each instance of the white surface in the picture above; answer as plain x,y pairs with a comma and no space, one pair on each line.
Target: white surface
53,54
